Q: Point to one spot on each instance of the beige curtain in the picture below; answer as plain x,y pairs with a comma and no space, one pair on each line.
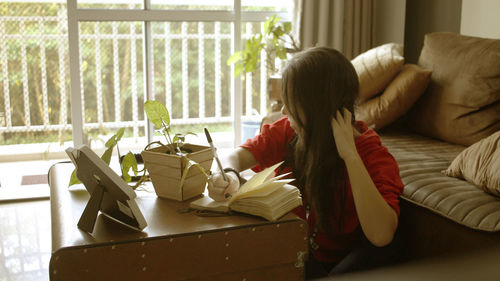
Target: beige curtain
346,25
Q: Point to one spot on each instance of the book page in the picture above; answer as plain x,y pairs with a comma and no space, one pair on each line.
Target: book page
273,205
258,181
264,189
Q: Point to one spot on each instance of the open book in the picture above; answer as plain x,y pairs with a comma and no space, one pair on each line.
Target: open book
262,195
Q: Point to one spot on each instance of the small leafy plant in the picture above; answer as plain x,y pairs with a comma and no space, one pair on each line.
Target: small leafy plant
158,115
127,162
277,41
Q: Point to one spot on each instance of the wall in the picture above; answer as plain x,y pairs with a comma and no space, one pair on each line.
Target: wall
480,18
389,21
425,16
408,21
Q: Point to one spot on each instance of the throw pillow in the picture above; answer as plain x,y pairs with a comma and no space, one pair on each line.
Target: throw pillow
479,164
462,103
377,67
396,99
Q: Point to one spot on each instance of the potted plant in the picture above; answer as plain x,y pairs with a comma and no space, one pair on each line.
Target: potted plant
178,170
277,41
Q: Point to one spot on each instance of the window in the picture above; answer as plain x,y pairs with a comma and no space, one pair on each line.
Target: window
124,52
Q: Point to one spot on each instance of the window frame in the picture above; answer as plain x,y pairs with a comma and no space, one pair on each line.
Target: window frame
147,16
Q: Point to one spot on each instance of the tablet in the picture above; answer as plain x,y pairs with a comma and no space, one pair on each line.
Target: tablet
109,193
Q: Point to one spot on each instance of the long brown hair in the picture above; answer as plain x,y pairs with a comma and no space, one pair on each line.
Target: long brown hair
316,83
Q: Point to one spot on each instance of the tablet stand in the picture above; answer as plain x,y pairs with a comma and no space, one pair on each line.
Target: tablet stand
89,215
108,192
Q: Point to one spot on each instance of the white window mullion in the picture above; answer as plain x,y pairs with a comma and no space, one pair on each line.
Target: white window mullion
248,78
43,59
133,76
177,15
24,65
201,71
251,16
63,117
263,79
218,77
151,64
148,69
263,83
168,67
77,111
185,72
82,92
98,75
116,72
156,15
236,81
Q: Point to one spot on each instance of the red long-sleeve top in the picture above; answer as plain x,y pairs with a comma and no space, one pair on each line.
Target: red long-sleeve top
271,147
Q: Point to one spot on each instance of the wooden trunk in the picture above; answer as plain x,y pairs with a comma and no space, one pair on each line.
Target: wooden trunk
174,246
166,171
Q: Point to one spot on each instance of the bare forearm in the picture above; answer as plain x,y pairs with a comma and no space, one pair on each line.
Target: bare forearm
378,220
240,159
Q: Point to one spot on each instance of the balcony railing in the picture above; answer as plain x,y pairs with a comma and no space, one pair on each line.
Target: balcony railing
25,78
190,74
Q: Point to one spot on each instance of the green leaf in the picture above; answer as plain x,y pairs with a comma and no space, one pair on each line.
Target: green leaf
190,163
287,26
111,142
234,58
281,52
249,45
126,177
238,69
252,64
267,28
270,23
73,179
254,45
119,134
278,32
129,162
156,112
106,156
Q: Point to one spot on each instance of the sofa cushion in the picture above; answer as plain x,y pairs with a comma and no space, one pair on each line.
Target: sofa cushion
397,98
462,102
377,67
421,160
479,164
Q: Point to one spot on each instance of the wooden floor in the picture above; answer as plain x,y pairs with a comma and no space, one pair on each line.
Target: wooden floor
25,240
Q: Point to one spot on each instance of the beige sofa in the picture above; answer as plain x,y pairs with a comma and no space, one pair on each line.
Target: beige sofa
450,227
